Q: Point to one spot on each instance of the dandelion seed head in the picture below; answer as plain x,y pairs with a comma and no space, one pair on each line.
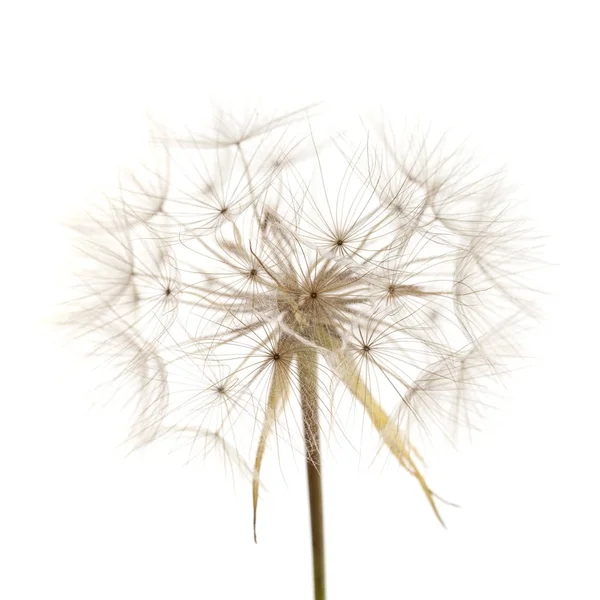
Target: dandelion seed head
250,249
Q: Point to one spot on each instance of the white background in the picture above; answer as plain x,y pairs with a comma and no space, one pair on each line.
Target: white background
79,520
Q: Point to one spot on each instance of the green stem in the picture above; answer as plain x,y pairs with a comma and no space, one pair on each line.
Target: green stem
307,373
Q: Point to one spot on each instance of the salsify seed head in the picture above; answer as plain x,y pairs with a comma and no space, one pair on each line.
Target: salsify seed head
226,265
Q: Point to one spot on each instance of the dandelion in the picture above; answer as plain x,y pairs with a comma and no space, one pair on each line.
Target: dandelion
252,275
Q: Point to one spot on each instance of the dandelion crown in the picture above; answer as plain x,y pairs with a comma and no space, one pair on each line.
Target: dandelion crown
257,270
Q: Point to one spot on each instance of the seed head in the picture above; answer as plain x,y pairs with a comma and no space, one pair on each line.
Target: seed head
253,248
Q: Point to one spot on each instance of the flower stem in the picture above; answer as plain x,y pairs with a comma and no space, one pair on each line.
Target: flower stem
307,374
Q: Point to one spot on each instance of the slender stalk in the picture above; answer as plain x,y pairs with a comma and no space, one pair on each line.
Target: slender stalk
307,371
